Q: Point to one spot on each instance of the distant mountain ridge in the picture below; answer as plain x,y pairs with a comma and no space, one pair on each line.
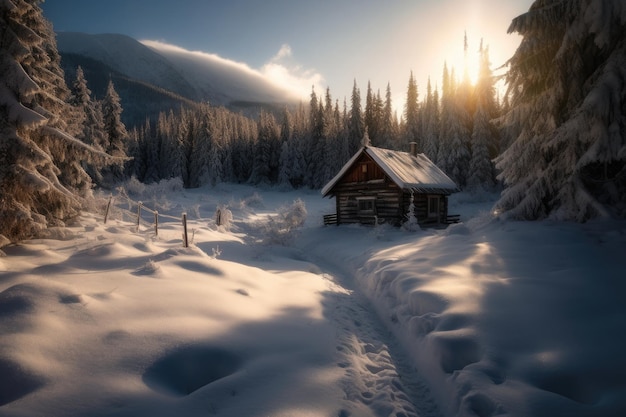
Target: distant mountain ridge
154,78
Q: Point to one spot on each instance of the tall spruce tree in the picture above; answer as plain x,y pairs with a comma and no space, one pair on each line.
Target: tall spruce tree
453,154
485,138
567,82
116,134
92,129
431,119
388,132
42,181
357,125
411,113
89,120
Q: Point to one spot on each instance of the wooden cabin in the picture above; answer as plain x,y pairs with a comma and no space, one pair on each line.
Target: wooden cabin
376,184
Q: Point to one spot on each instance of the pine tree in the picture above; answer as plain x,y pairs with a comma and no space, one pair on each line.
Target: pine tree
485,138
374,115
284,174
90,124
41,177
316,150
116,134
357,125
196,134
411,113
92,129
389,132
431,119
152,149
453,155
268,133
568,91
114,127
172,144
299,147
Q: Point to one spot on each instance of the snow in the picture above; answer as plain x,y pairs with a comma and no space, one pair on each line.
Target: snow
484,318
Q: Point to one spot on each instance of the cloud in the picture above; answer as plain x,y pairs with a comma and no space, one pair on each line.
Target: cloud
279,70
289,76
283,52
163,46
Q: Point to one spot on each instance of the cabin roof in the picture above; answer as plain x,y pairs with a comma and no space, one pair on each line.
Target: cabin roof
407,171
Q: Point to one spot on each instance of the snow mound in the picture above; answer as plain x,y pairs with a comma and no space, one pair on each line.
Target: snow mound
16,381
189,368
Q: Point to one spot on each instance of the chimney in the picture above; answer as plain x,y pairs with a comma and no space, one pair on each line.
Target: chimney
413,148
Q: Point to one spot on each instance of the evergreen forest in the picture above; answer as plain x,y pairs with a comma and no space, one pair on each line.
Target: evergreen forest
553,141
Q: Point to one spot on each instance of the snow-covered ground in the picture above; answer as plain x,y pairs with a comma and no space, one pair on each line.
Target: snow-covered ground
483,318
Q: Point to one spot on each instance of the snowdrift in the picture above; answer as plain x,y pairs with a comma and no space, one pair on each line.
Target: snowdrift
484,318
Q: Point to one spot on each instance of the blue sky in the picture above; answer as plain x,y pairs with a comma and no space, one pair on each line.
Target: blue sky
326,43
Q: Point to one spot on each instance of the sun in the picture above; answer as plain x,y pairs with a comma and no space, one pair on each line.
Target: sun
466,63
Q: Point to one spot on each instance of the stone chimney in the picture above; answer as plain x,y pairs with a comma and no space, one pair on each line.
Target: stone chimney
413,148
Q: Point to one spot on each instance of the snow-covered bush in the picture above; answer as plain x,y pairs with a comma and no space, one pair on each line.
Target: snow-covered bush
255,200
281,228
411,224
168,186
223,217
134,187
294,215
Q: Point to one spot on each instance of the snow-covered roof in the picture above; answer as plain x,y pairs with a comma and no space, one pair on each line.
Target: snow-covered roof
409,172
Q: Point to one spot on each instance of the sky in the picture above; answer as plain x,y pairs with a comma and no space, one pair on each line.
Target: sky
326,44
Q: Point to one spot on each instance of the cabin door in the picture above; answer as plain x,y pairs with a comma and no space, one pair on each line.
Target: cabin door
434,210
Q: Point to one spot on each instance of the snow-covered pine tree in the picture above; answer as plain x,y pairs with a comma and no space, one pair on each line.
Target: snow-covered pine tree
484,134
374,116
316,148
431,118
116,134
268,132
411,224
216,168
114,127
92,131
224,121
41,176
151,147
567,82
172,163
411,114
453,155
344,153
88,116
357,125
193,132
365,140
389,132
298,147
243,147
284,172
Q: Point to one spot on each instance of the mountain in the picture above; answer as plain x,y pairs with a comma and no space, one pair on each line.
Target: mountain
153,77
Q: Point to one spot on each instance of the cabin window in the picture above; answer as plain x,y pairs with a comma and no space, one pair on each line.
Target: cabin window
364,168
433,206
367,205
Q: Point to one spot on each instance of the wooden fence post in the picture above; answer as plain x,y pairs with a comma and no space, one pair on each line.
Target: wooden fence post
156,222
106,215
185,238
139,214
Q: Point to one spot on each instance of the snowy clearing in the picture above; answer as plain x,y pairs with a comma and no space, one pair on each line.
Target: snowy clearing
483,318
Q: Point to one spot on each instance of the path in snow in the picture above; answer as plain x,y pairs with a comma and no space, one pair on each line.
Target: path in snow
380,380
379,376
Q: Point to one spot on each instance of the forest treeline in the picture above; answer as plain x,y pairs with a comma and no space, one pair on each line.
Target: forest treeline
307,145
555,142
